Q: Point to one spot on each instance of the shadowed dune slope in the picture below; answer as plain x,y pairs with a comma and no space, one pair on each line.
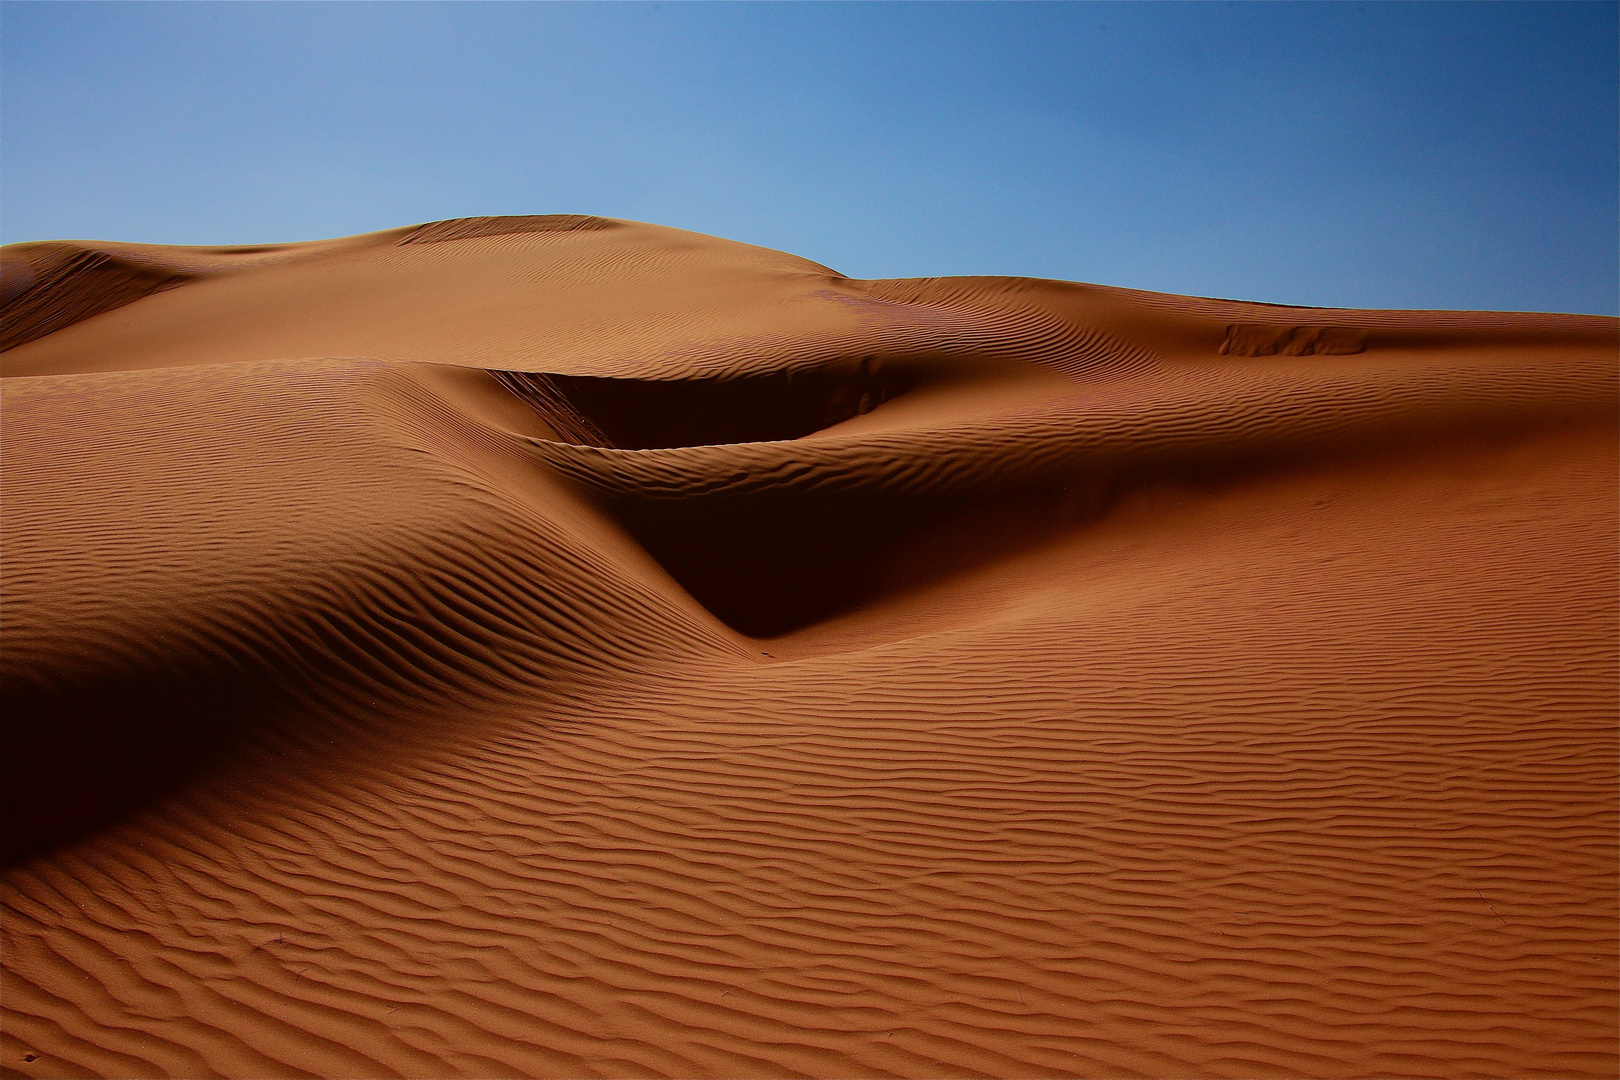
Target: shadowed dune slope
557,646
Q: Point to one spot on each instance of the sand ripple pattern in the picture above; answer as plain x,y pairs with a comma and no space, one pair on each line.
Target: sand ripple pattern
472,228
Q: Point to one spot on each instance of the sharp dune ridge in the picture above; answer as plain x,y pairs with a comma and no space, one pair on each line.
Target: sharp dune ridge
559,646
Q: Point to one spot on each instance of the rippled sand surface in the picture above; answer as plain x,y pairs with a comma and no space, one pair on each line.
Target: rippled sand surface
564,647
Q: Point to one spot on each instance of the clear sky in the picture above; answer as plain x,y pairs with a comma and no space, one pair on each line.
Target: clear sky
1445,155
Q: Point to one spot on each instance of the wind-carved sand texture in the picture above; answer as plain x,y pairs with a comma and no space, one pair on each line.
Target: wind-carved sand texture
568,647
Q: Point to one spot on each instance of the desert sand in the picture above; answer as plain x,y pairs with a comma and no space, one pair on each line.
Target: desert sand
568,647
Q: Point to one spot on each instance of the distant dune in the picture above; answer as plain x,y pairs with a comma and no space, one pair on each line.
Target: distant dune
567,647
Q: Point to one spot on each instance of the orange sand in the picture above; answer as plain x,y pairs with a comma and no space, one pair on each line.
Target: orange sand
568,647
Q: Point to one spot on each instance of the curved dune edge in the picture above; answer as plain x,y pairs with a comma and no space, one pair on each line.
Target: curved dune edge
557,646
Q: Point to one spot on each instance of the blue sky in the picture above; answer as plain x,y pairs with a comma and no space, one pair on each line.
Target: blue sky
1366,155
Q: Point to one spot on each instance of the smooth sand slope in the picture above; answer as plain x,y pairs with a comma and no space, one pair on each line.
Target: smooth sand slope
567,647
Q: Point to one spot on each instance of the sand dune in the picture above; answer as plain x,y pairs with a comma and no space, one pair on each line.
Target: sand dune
559,646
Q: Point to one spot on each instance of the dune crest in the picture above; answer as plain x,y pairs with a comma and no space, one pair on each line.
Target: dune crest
559,646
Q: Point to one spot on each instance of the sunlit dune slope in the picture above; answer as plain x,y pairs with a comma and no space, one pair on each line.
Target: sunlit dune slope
560,646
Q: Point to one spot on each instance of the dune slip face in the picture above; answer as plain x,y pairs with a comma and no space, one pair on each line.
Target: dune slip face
560,647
